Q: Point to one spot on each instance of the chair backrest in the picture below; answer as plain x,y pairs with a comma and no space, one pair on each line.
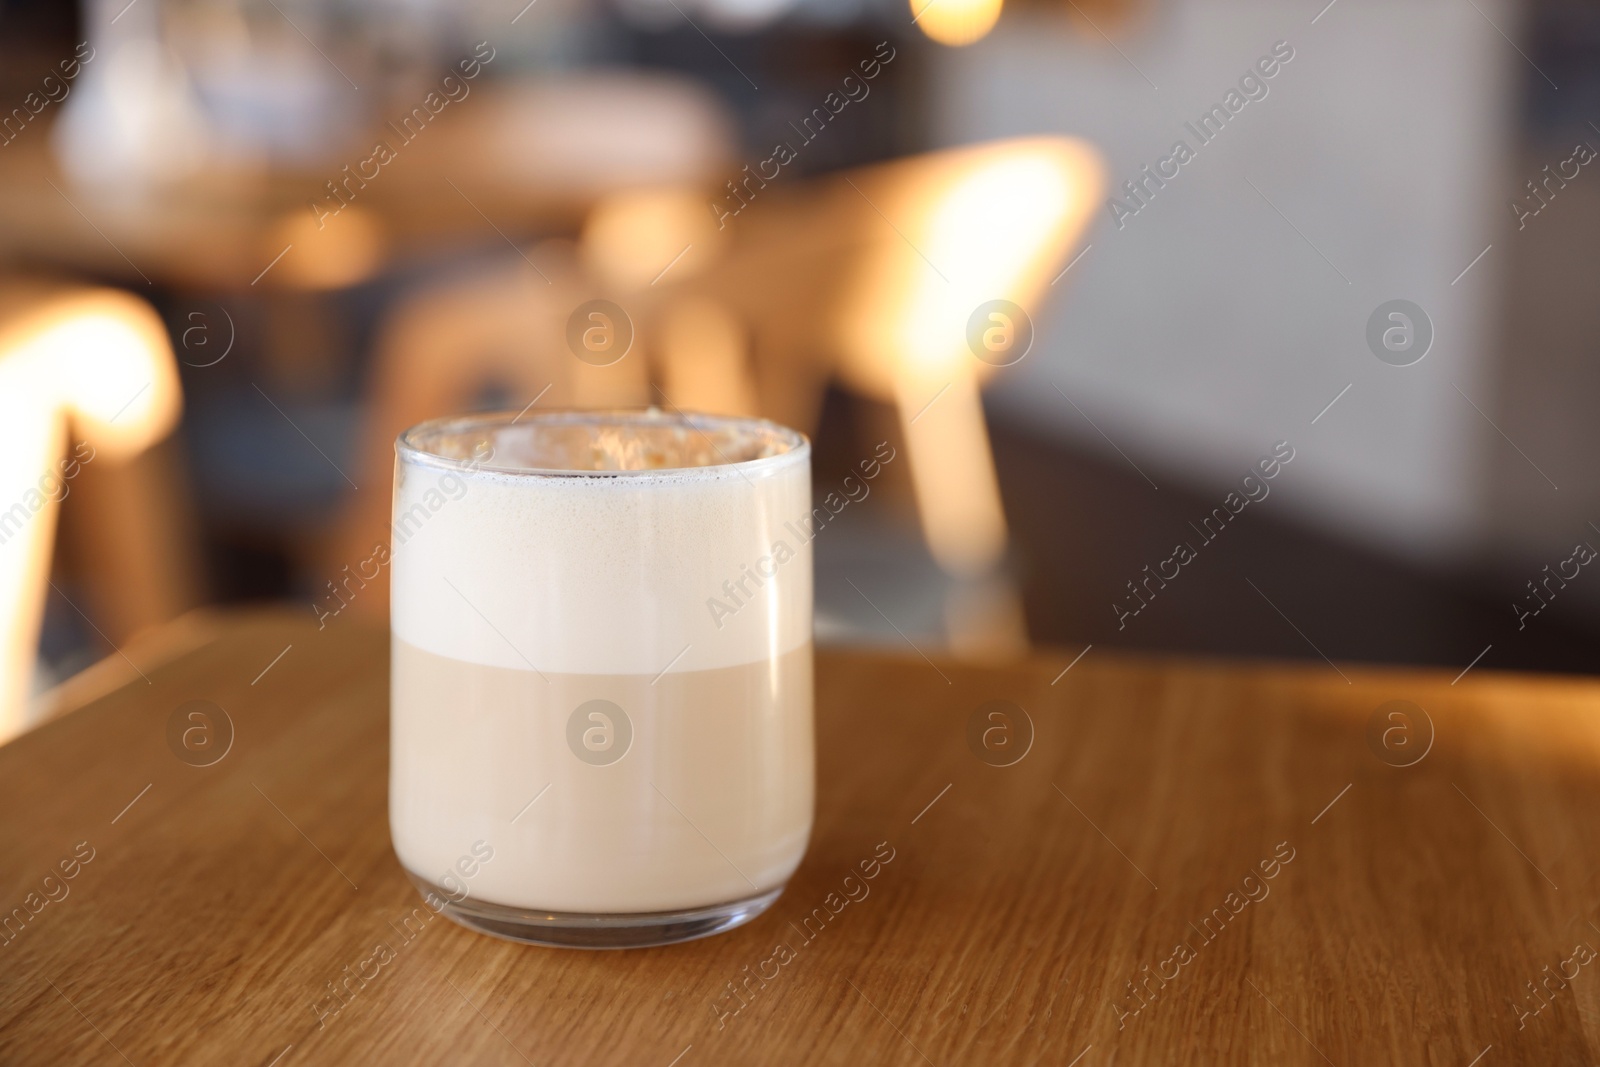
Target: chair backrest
86,375
891,279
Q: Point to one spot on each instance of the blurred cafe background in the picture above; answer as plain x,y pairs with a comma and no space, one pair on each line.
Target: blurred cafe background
244,242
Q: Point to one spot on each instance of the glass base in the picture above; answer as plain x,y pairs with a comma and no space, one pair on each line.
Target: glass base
642,929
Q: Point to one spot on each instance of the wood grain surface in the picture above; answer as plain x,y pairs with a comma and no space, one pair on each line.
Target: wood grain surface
1331,907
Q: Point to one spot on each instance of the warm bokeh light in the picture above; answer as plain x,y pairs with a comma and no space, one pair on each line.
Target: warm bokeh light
988,222
956,22
991,232
631,239
100,356
330,252
702,349
92,364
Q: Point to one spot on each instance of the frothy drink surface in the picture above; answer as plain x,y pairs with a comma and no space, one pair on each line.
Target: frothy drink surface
517,600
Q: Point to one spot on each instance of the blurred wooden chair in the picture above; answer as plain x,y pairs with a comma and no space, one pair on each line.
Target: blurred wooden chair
911,282
87,383
874,278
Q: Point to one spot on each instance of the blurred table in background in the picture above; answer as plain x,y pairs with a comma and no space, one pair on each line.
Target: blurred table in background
519,158
1351,887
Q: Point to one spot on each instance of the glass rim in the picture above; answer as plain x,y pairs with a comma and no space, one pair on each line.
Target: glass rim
409,449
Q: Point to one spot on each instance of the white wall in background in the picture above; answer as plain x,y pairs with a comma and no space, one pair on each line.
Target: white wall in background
1207,328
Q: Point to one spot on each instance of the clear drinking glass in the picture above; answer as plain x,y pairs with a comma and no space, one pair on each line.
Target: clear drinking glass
601,690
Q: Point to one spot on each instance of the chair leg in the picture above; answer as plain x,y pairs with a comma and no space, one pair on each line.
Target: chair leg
35,437
958,500
952,470
131,534
983,618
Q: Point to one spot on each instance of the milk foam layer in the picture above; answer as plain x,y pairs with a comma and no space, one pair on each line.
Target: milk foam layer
604,573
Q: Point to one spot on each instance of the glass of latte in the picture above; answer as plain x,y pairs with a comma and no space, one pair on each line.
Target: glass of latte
601,710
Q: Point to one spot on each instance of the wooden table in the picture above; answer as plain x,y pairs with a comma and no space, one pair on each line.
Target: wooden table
1020,902
525,158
